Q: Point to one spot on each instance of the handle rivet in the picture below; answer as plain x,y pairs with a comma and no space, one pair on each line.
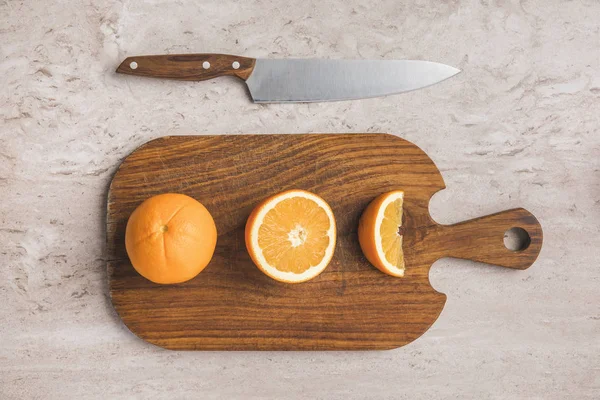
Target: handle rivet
133,65
235,65
206,65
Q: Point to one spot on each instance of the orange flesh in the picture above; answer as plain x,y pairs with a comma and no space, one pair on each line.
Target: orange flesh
293,235
391,241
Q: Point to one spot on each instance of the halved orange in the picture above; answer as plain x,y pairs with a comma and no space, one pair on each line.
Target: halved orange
291,236
379,233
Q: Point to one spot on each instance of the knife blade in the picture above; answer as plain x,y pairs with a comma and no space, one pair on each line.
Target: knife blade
296,80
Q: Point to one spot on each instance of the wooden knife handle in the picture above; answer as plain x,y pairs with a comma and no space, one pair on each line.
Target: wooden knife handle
188,67
482,239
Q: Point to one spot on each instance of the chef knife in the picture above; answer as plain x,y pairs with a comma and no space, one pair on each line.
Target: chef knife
296,80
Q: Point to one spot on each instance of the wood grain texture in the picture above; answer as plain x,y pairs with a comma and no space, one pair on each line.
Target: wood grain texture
231,305
188,67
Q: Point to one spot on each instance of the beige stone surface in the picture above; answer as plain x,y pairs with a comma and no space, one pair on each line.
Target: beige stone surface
519,127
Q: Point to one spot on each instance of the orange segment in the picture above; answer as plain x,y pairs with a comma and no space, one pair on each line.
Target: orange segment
379,233
291,236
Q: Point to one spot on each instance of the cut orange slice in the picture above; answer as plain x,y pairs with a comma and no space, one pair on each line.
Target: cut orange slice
291,236
379,233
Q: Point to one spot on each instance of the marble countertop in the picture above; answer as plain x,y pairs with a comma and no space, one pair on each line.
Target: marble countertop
519,127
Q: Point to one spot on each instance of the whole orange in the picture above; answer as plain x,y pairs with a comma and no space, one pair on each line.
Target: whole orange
170,238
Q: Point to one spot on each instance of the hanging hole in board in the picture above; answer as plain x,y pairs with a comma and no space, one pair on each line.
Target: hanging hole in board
516,239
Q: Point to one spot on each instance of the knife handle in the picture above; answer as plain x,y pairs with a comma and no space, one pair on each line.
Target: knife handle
188,67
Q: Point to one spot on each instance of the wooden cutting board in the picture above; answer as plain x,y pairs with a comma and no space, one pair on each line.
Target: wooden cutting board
231,305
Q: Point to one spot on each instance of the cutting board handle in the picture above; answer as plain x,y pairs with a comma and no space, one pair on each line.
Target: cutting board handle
482,239
188,67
